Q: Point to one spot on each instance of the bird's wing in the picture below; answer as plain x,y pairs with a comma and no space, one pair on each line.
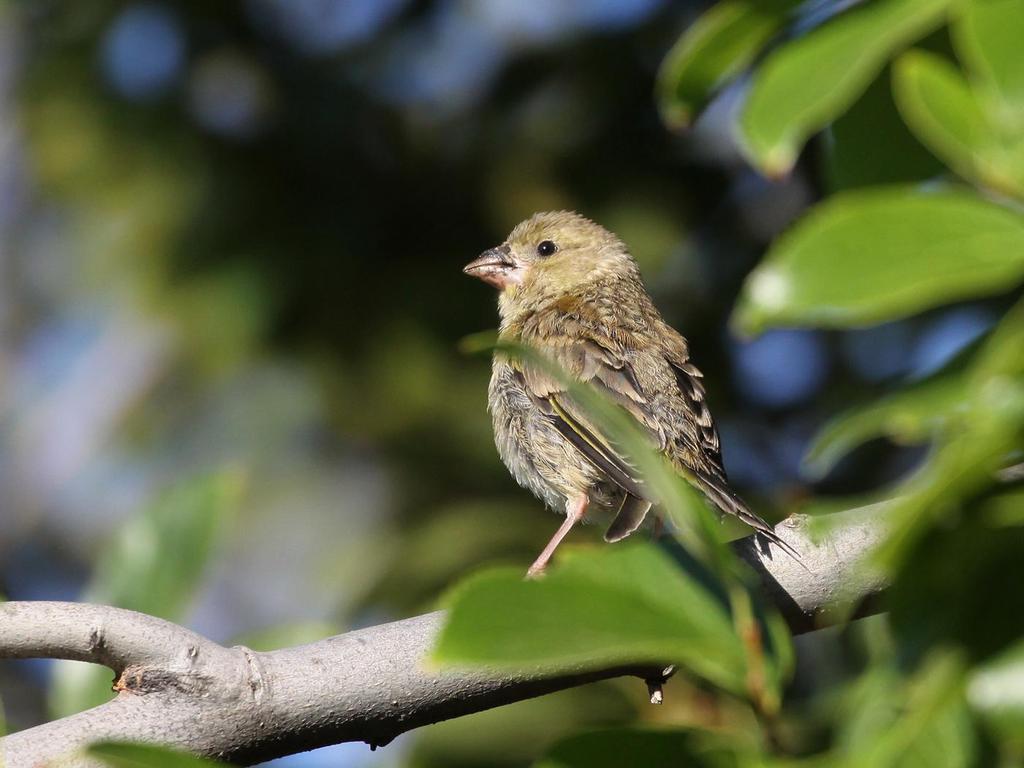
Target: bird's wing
708,472
690,382
593,363
696,440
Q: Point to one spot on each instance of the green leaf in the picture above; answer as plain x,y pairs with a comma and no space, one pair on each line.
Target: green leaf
944,112
807,83
624,605
649,748
124,755
911,415
996,692
712,51
154,565
868,256
988,36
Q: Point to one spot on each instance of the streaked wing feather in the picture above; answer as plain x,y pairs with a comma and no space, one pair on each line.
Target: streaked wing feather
690,382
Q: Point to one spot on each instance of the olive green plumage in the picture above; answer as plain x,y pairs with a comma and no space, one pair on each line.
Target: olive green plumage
571,290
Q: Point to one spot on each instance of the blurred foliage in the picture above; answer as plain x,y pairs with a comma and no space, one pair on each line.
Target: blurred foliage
154,565
232,236
122,755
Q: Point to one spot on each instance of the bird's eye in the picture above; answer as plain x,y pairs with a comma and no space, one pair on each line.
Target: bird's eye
546,248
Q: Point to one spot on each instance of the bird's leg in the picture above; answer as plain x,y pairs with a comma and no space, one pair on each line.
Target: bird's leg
575,508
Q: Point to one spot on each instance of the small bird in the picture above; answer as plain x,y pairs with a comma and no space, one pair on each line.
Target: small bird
569,289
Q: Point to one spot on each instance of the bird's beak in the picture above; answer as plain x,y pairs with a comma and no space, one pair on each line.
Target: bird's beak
496,267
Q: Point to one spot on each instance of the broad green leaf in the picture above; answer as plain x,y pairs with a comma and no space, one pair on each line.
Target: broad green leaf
911,415
124,755
713,50
868,256
647,747
154,565
627,604
988,36
995,690
807,83
944,112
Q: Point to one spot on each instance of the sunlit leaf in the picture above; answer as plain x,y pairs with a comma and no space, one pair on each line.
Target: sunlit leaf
868,256
945,114
988,36
153,565
124,755
810,81
626,604
714,49
911,415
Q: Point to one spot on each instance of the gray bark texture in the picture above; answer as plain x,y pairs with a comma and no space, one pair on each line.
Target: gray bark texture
179,689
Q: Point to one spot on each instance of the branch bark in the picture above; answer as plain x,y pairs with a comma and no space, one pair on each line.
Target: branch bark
179,689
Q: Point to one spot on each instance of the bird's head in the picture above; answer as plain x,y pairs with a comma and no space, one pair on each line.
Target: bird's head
550,255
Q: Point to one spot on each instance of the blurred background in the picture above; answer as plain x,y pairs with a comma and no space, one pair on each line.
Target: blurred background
231,236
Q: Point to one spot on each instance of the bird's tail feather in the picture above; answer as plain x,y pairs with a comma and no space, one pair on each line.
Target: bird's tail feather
631,514
729,503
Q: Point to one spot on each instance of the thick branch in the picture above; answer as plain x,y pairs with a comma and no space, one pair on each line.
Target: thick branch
179,689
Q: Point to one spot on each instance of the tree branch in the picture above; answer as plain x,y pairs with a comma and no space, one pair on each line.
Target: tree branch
179,689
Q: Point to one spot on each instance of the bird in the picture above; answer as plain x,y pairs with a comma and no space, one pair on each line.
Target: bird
570,290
